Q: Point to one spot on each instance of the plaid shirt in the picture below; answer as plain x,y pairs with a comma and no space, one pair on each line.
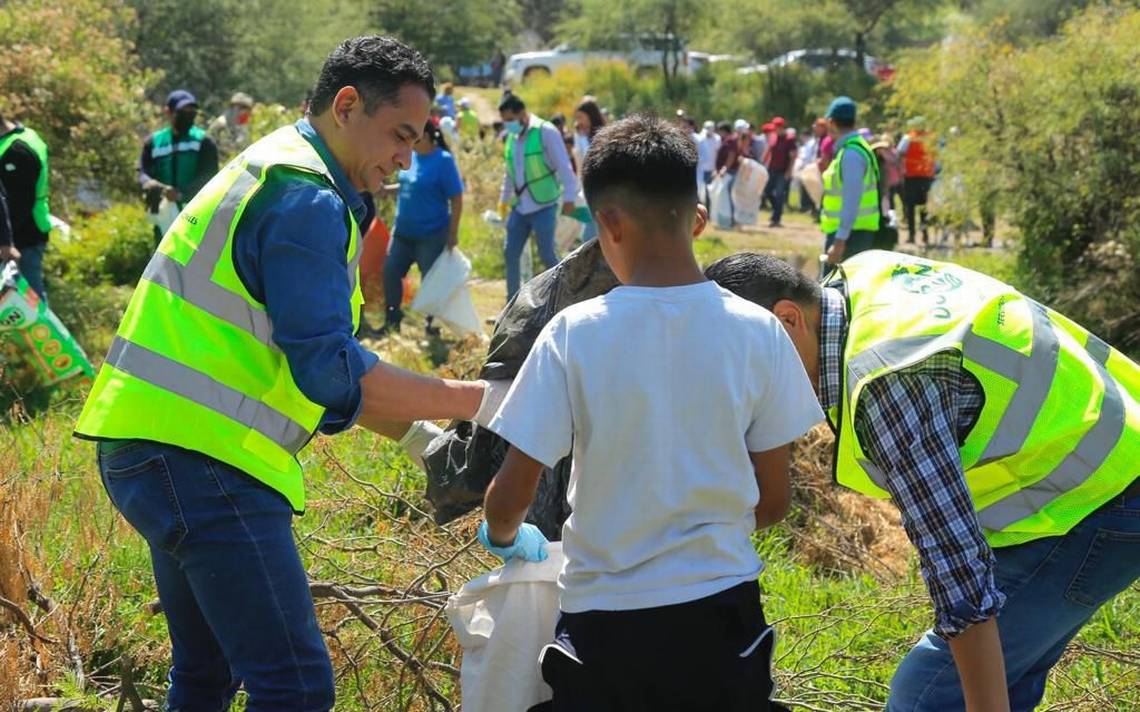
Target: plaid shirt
910,424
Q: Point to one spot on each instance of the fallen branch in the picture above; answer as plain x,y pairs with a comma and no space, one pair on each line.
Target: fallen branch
26,622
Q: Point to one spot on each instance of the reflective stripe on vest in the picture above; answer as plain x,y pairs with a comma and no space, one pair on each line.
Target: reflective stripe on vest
194,364
196,386
41,210
538,177
867,214
1053,440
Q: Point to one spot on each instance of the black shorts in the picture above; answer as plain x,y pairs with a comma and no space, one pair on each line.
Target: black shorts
713,654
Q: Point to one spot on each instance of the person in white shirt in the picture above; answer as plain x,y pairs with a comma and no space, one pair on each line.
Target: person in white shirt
678,401
708,143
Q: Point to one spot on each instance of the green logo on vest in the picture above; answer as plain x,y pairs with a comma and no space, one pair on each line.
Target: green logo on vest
924,279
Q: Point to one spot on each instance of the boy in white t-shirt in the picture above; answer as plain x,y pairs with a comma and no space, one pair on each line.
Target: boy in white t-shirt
678,400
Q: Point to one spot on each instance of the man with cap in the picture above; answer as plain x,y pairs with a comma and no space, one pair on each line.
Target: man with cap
780,161
849,216
468,122
230,131
177,160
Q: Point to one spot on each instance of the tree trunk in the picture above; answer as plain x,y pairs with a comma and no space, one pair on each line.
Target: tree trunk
860,49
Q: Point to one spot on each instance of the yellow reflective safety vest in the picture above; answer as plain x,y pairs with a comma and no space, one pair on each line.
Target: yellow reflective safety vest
194,363
1059,432
538,177
867,218
41,212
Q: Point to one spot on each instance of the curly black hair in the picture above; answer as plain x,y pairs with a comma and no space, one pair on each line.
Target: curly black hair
377,67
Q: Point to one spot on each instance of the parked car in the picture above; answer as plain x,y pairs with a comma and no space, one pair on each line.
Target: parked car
700,60
643,54
822,60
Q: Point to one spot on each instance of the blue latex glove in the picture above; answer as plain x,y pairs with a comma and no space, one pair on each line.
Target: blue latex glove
529,544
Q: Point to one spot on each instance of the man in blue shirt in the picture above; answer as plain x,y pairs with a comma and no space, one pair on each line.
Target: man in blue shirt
232,585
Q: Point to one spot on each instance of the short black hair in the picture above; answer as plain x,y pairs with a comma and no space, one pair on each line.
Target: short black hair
377,67
844,123
764,280
647,159
724,126
512,103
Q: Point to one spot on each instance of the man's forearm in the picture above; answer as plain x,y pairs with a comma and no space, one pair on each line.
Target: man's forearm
981,667
393,395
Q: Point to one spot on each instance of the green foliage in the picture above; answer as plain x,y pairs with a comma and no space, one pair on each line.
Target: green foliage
111,247
68,74
271,49
1052,131
466,33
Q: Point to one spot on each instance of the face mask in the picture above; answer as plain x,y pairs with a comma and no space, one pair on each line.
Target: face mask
513,126
183,122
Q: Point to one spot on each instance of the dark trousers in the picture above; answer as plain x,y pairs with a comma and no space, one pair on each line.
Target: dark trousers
915,193
712,654
777,192
402,254
232,586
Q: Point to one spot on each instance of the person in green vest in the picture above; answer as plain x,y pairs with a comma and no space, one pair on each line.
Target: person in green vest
469,129
237,348
849,214
24,178
538,177
1007,435
177,160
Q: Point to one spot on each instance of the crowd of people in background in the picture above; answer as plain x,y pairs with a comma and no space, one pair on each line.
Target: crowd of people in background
541,185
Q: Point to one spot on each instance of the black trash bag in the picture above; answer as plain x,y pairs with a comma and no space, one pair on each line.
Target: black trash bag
461,462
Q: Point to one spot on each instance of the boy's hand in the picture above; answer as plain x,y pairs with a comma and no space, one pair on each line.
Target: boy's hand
529,544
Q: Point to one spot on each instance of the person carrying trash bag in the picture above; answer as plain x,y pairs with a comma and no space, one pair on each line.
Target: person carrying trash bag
1007,435
660,608
428,211
237,347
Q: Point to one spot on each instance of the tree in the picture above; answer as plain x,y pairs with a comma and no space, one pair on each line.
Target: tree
666,24
867,14
460,33
69,73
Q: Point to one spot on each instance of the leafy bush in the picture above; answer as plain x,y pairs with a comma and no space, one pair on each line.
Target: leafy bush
111,247
1051,133
68,73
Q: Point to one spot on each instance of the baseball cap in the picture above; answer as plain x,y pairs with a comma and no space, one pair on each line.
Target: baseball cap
180,98
241,99
778,121
464,102
768,127
709,126
740,125
843,108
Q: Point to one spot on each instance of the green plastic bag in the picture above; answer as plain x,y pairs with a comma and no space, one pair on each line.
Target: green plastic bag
40,339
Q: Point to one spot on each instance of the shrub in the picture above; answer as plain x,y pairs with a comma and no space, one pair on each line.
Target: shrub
111,247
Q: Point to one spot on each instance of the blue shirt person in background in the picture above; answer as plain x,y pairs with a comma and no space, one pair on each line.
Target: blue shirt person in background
445,101
428,210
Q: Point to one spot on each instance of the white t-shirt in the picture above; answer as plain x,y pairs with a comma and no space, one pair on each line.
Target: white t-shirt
661,393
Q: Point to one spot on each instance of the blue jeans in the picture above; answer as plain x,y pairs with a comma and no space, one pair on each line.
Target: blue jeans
32,267
519,227
402,254
777,191
232,585
1052,587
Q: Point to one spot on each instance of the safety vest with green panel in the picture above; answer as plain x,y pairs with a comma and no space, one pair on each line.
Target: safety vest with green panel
1058,434
194,363
176,162
867,218
41,211
539,178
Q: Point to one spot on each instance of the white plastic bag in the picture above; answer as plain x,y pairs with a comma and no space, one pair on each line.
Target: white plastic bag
751,177
812,182
719,204
443,293
503,619
165,217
